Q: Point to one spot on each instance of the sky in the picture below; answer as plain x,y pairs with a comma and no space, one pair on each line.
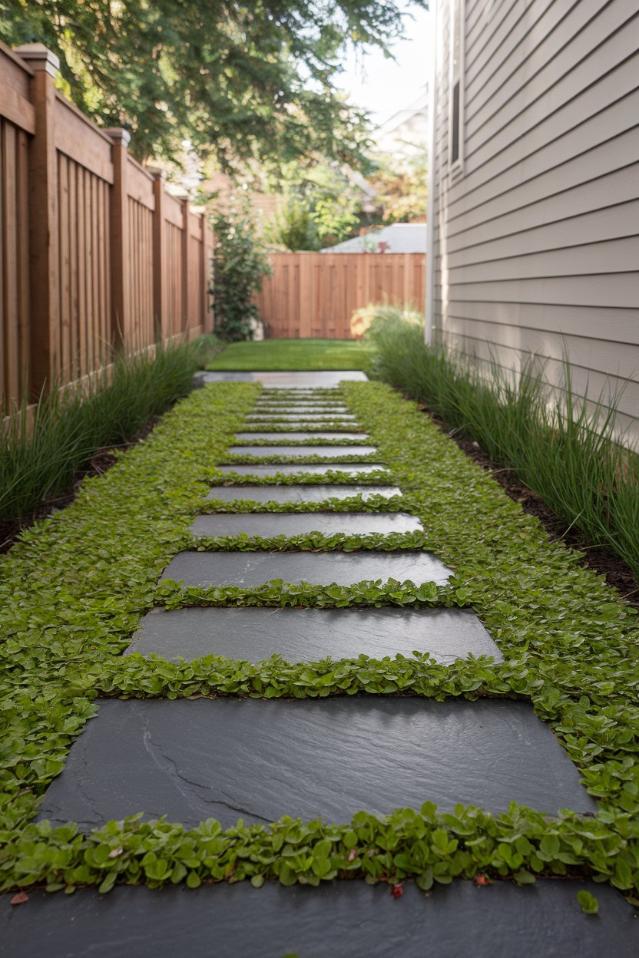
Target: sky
382,86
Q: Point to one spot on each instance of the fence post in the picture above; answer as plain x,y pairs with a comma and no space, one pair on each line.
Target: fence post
120,320
185,324
205,253
159,256
43,220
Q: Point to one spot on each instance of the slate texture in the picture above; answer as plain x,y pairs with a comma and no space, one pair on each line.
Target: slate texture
328,452
336,920
298,523
290,435
301,493
310,469
261,759
285,380
319,568
308,635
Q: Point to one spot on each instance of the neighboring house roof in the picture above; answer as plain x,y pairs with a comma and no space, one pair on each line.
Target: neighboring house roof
398,238
405,133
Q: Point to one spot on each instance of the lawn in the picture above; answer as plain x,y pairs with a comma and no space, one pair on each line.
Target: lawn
285,354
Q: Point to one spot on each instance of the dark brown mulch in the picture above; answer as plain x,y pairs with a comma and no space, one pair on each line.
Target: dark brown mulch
101,460
601,560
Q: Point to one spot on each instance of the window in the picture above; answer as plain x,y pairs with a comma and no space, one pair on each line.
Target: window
456,118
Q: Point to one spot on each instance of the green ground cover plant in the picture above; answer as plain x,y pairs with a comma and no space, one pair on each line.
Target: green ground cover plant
292,354
562,452
73,590
41,450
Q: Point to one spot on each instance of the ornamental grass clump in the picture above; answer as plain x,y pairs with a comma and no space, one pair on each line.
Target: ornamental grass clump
551,440
43,447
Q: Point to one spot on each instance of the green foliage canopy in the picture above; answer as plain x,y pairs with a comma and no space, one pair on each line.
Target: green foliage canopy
239,80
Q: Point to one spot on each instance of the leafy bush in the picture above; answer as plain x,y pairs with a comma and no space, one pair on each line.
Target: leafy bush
42,448
559,449
294,227
239,263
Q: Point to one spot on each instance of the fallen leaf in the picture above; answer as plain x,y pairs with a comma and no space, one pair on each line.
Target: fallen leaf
481,879
115,852
397,890
19,898
352,855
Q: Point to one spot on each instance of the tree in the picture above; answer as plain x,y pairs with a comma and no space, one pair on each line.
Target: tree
243,81
400,189
323,205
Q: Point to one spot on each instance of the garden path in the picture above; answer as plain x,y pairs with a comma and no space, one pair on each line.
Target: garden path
260,759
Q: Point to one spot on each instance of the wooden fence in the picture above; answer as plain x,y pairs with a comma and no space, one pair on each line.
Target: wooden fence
316,294
94,253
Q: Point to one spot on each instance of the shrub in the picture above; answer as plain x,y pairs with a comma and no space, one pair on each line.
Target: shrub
560,450
239,263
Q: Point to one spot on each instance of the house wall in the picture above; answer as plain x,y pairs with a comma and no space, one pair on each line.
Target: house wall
536,243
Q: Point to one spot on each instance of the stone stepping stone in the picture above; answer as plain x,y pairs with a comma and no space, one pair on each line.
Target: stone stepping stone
299,409
301,436
285,380
310,469
316,493
337,919
300,523
308,635
327,452
319,568
300,417
261,759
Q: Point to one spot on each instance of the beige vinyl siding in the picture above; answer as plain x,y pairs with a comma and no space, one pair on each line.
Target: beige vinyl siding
536,244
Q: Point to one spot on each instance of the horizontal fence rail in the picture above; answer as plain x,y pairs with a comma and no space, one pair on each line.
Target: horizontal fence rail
95,254
315,294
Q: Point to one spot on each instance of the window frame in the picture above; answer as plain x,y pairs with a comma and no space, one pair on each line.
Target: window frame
456,79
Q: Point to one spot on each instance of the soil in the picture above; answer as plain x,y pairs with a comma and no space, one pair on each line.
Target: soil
101,460
601,560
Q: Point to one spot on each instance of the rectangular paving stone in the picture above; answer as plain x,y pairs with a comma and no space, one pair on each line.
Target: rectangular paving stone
286,380
290,436
319,568
300,417
340,919
301,493
308,635
310,469
261,759
328,452
300,523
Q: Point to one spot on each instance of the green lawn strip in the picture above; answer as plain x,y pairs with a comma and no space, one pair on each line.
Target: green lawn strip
293,354
74,590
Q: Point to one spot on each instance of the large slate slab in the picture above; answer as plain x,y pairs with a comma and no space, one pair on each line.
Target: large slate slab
336,920
301,493
308,635
328,452
290,436
309,469
285,380
299,420
319,568
288,410
300,523
261,759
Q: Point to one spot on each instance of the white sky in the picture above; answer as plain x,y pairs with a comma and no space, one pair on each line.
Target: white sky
383,86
